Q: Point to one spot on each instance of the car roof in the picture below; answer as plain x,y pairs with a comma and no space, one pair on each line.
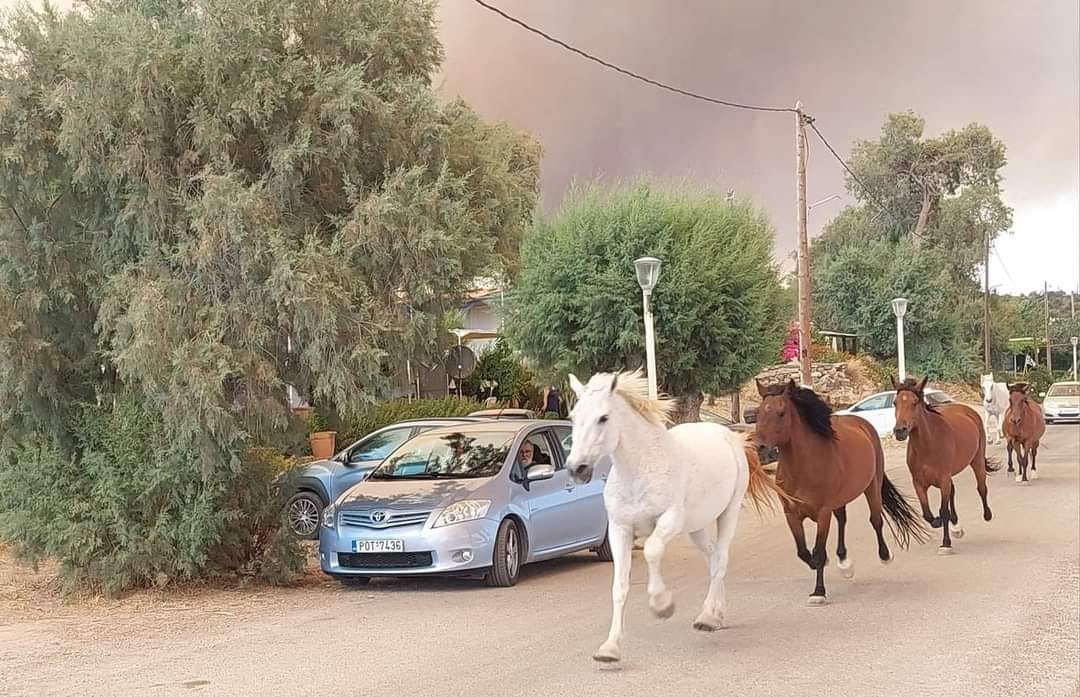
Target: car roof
1066,382
494,426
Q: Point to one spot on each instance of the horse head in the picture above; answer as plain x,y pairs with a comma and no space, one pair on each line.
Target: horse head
909,399
784,406
1017,402
987,382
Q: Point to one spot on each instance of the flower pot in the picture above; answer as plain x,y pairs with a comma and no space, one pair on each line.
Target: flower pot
322,444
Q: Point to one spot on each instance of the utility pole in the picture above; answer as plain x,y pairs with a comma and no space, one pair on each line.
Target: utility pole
986,304
1046,304
804,246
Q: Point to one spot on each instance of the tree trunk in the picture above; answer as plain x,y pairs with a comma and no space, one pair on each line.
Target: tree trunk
924,217
736,407
688,407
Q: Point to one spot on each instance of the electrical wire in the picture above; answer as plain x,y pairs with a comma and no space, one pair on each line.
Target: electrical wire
629,73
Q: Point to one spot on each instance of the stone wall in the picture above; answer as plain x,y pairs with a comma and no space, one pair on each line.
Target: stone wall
833,381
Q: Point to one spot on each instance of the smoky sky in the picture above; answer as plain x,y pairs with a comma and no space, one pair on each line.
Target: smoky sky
1012,66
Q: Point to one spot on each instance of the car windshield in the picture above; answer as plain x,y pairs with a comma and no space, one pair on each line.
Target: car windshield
1064,391
448,456
935,398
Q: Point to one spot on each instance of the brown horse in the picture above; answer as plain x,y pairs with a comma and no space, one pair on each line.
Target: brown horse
825,463
943,441
1024,426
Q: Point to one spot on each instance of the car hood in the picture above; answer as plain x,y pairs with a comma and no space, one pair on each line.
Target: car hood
1059,402
414,493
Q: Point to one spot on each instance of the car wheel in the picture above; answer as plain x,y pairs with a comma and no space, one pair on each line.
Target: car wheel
353,581
603,552
302,513
1049,422
506,560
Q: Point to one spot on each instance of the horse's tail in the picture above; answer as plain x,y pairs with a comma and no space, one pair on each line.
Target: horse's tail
762,490
904,521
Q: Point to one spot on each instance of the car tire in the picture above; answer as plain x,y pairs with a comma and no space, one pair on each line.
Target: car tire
507,556
353,581
603,552
298,515
1049,422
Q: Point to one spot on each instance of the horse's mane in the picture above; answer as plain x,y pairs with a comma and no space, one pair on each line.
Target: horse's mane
911,385
813,409
634,388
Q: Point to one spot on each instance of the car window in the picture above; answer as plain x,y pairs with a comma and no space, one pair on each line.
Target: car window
1063,391
880,401
936,398
378,446
448,455
538,448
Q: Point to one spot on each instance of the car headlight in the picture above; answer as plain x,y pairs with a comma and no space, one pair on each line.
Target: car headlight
462,512
329,517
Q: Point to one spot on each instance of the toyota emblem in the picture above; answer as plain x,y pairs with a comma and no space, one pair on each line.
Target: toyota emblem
378,516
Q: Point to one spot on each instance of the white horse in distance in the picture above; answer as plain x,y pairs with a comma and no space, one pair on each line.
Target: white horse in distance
691,478
995,403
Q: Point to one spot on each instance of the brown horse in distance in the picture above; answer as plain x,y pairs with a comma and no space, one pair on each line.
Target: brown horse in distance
825,463
942,440
1024,426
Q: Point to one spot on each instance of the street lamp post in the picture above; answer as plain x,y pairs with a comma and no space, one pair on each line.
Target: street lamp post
1074,341
648,273
899,307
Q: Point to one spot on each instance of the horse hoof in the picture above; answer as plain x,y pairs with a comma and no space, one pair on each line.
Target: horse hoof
988,516
945,551
662,605
958,533
708,623
886,561
816,601
1019,479
607,654
847,568
1034,474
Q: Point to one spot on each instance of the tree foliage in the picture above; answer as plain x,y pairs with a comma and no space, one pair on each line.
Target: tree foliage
189,189
925,207
719,309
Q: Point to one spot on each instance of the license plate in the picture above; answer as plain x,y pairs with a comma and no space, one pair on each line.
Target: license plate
377,546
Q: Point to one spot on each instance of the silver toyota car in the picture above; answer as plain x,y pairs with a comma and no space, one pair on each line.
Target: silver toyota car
479,499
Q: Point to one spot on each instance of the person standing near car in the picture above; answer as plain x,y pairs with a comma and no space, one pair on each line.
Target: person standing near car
552,401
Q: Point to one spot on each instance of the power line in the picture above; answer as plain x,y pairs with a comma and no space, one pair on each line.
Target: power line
1003,267
624,71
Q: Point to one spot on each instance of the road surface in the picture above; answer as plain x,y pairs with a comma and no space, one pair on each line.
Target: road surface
998,618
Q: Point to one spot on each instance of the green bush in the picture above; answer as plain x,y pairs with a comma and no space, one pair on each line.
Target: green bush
1039,380
386,413
130,509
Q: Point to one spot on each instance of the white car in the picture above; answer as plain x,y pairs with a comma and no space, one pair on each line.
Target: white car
878,409
1061,402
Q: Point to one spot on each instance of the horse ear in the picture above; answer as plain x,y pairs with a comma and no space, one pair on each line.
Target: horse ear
895,384
923,383
576,385
761,389
614,381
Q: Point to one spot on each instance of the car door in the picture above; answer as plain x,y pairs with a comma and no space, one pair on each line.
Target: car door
368,454
587,508
878,410
551,502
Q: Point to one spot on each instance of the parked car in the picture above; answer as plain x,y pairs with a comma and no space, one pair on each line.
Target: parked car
1061,402
319,483
713,417
459,501
879,409
504,414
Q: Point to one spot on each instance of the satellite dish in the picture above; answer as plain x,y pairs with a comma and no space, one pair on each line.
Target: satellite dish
460,362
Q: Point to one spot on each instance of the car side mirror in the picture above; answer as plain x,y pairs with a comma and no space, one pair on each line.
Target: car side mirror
539,473
1042,394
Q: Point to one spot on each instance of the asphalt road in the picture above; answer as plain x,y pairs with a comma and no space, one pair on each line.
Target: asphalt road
1001,617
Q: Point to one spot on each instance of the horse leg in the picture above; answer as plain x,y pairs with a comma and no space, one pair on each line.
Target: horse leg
798,533
924,502
945,484
668,525
1009,450
820,556
847,569
621,540
979,467
877,521
715,609
1022,454
957,531
1034,451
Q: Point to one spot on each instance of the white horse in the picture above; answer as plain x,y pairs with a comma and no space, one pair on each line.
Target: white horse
663,482
995,403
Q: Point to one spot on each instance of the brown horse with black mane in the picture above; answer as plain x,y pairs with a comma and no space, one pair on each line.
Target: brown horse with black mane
1024,426
825,463
943,441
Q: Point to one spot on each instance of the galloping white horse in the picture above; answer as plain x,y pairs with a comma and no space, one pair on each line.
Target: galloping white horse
663,482
995,402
